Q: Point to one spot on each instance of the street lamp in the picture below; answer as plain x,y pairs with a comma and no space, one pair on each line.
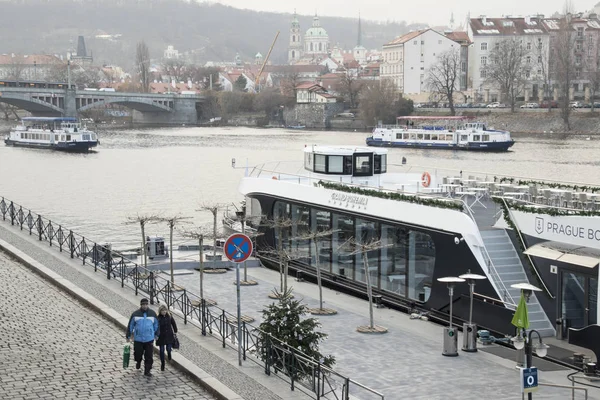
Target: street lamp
470,329
541,349
526,290
450,338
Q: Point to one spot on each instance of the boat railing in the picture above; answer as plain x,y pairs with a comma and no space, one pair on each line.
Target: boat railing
491,268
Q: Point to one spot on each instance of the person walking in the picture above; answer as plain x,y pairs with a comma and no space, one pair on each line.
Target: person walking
168,329
143,325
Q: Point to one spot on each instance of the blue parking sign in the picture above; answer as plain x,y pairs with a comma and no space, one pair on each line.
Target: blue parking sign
529,380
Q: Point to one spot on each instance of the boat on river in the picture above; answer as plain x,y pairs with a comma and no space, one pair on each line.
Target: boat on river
53,133
433,223
432,132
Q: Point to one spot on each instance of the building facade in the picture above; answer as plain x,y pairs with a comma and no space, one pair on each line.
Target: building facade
407,59
295,46
486,34
313,46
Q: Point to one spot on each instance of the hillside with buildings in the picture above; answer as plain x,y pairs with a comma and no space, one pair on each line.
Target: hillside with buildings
200,31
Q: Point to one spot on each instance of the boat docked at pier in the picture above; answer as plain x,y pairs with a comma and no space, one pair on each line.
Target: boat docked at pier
432,223
432,132
54,133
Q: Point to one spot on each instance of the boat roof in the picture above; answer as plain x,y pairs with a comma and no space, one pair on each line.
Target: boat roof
343,150
52,119
431,117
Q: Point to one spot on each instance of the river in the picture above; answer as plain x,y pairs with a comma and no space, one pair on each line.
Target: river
173,171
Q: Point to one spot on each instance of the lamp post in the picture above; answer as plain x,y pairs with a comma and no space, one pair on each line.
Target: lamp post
470,329
450,338
526,290
541,349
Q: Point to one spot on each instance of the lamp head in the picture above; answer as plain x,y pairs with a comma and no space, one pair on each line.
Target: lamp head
541,349
526,289
457,240
518,342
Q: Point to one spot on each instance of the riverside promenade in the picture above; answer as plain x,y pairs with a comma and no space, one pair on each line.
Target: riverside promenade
405,363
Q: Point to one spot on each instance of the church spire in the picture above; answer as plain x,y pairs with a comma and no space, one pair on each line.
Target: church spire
452,20
359,42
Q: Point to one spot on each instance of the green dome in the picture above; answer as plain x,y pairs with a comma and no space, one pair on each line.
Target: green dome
316,32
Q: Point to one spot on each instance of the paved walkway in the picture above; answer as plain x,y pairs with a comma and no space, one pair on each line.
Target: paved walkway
54,347
405,363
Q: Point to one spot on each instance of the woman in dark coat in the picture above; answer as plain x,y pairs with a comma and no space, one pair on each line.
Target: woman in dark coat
168,329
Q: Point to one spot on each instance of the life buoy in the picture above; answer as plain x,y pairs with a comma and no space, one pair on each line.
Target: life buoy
426,179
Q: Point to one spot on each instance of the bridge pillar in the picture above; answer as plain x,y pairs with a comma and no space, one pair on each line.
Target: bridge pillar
184,112
70,104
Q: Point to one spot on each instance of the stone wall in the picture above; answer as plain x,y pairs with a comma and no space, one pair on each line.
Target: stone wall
349,124
184,112
313,115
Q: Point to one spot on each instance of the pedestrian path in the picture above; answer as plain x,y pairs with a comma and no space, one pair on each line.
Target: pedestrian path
405,363
53,346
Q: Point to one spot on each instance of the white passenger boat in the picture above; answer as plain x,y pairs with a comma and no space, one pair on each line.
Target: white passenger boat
431,224
54,133
432,132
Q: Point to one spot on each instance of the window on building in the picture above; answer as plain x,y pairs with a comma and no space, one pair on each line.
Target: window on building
528,45
539,59
416,42
320,47
578,46
483,73
527,74
483,46
528,60
463,66
497,45
578,73
311,47
589,52
293,38
422,42
483,60
579,32
577,59
539,72
539,43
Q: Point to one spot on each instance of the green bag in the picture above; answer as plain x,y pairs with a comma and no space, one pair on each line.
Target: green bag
126,353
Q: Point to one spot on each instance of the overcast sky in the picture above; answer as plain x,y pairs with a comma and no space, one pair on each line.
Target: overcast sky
433,12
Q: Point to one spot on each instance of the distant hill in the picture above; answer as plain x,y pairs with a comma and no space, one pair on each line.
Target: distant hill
211,31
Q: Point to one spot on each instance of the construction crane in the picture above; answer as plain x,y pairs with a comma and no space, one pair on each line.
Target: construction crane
264,63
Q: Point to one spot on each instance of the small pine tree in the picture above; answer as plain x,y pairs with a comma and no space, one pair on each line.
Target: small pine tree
283,324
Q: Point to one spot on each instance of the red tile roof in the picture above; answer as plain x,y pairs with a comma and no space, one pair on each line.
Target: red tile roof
406,37
458,36
507,26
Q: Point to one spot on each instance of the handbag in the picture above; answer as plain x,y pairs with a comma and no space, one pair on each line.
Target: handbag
175,342
126,354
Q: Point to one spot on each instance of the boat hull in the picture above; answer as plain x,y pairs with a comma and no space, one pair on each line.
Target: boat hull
73,147
473,146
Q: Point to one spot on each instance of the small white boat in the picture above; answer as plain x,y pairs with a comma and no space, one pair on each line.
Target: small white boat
54,133
432,132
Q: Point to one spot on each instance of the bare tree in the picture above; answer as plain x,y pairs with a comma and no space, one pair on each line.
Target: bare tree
171,222
506,68
176,69
283,255
142,220
350,88
363,246
289,82
314,237
213,208
16,69
142,63
200,234
443,76
382,101
542,54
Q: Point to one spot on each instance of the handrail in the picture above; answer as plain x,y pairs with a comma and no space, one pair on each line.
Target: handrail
490,264
525,246
298,368
493,299
573,388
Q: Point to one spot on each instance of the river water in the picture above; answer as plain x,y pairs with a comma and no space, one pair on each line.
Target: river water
173,171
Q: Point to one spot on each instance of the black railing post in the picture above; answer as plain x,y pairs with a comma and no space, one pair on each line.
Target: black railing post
122,272
108,258
71,244
347,384
292,367
267,351
245,342
3,209
83,250
50,233
95,257
185,307
22,219
39,224
223,327
203,316
60,238
318,381
151,287
12,213
136,279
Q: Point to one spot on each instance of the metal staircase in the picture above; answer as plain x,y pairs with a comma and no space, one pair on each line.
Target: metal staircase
507,264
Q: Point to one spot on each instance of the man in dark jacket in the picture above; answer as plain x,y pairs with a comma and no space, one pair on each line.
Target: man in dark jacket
143,324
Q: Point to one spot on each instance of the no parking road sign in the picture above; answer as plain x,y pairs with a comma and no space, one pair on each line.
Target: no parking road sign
238,247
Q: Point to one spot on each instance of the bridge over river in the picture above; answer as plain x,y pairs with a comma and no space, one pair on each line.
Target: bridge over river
59,100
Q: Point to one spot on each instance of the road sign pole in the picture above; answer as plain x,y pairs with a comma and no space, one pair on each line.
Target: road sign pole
239,313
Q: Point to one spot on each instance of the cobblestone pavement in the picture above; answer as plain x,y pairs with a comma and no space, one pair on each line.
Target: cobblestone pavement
53,347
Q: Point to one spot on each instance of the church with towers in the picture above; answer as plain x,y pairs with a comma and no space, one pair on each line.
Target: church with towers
312,46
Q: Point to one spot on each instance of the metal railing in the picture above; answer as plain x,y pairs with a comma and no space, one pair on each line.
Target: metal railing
308,375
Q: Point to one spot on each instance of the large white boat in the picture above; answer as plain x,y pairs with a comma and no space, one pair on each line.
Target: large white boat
432,132
55,133
433,223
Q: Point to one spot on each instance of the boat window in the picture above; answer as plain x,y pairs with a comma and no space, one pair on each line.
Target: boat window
347,165
485,138
477,138
427,136
413,136
419,136
68,137
403,266
464,138
398,136
300,223
320,162
336,164
363,164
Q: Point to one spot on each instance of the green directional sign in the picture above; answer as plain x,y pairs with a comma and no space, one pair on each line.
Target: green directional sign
450,333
